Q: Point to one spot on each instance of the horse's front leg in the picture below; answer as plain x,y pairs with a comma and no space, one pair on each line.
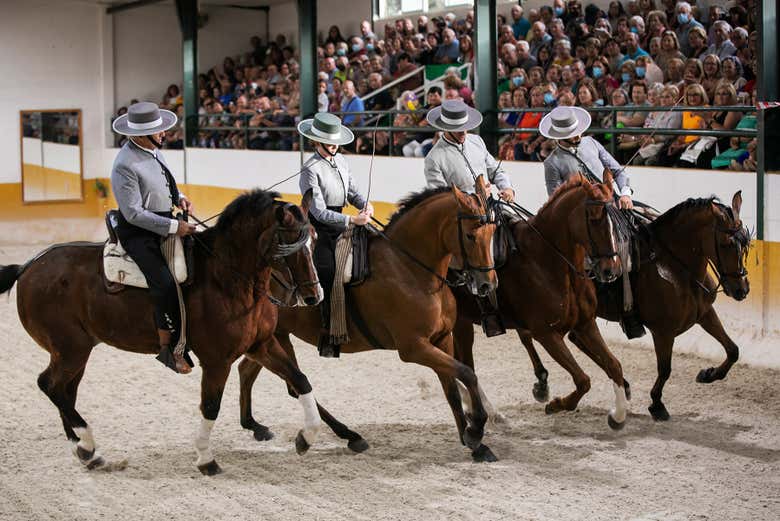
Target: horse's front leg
588,339
541,390
712,325
211,388
270,355
439,358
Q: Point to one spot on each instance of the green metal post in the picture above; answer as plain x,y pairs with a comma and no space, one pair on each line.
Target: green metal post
188,20
486,81
768,64
307,38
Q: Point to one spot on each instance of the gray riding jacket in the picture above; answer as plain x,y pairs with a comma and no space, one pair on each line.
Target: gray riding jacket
333,185
140,189
445,165
560,165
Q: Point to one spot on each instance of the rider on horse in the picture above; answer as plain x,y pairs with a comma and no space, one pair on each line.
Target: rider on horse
328,176
149,200
459,158
574,153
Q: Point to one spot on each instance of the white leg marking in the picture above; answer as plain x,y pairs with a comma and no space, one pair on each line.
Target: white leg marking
465,397
620,411
87,440
202,442
311,417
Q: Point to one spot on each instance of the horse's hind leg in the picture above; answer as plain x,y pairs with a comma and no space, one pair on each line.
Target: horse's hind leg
554,345
588,339
712,325
541,391
60,381
248,370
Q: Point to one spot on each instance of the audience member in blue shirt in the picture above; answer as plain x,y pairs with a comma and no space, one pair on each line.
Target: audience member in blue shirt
520,25
351,103
449,50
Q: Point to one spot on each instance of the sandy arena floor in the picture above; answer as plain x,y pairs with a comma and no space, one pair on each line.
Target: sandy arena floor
717,459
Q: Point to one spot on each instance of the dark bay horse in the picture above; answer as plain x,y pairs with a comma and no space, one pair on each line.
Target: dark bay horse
673,289
406,307
64,306
544,290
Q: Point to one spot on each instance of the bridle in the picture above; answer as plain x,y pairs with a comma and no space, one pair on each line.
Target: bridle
482,220
717,267
594,253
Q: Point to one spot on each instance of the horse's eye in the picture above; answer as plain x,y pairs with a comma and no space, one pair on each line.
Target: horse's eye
471,237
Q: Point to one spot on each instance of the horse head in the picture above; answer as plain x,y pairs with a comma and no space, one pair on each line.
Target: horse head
593,227
473,251
290,255
730,247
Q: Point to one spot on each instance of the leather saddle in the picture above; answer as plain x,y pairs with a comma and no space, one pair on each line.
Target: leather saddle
357,269
120,271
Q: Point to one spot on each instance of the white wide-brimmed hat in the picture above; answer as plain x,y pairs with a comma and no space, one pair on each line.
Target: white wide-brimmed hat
454,116
564,122
326,128
144,119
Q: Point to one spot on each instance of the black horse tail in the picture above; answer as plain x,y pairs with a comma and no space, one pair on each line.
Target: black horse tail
8,276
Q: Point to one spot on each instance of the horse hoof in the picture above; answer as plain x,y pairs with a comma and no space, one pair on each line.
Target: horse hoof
472,439
210,469
706,376
301,445
541,392
627,388
357,446
614,424
553,407
659,412
483,454
263,433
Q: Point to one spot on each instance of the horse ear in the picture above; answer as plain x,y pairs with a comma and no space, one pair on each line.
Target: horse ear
736,204
308,197
459,197
284,217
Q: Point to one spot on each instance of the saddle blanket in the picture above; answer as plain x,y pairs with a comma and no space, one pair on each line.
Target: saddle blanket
119,268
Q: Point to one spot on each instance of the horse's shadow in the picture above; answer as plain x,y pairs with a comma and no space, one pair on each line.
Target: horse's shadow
690,428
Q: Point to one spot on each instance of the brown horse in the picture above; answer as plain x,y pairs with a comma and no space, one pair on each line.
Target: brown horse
406,307
544,290
64,306
673,289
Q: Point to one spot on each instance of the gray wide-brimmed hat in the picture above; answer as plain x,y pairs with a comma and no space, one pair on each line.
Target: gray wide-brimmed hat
454,116
144,119
326,128
564,122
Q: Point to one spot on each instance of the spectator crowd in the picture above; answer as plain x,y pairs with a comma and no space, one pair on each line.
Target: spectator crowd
638,53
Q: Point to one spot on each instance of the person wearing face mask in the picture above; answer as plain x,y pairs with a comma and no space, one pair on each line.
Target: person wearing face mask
458,158
148,199
327,174
685,22
574,154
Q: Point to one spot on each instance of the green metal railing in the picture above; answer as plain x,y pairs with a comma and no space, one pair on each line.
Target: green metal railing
250,131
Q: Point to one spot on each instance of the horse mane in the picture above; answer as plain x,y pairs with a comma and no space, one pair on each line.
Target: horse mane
412,200
253,202
673,213
573,183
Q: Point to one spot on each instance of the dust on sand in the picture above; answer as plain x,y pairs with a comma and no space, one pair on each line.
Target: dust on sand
718,457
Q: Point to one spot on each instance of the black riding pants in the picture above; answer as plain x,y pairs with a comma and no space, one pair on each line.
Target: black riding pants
325,253
144,247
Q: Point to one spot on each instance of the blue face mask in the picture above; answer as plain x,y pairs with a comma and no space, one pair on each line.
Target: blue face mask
640,72
355,47
369,47
558,11
625,77
341,52
548,98
599,102
518,80
682,18
597,72
634,30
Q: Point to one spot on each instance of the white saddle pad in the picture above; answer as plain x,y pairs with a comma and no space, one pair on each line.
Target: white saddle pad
120,268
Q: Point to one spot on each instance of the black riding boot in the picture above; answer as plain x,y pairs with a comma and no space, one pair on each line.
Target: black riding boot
632,325
326,348
492,325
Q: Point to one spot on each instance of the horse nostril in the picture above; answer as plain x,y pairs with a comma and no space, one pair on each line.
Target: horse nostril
310,301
